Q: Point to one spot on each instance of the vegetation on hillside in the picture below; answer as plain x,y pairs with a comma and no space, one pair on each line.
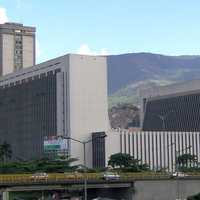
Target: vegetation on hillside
124,116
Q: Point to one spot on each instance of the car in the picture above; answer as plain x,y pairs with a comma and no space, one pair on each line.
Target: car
39,176
111,176
179,174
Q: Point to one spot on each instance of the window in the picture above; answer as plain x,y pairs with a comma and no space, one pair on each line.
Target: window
18,52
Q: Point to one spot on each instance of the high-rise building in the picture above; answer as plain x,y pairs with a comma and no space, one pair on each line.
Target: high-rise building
174,107
17,47
66,96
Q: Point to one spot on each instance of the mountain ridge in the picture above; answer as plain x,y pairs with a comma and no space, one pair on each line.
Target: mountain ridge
147,69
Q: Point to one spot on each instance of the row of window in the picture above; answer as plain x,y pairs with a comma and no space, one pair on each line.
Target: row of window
18,52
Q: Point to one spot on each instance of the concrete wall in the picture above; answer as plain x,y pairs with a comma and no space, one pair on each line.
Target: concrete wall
88,101
112,144
155,148
28,51
165,189
8,53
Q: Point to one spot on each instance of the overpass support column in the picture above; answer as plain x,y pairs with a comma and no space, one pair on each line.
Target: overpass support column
5,195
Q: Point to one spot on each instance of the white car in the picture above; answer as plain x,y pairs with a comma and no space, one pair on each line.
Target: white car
111,176
179,174
39,176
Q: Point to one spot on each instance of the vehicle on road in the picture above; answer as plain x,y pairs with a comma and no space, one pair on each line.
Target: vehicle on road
39,176
111,176
179,174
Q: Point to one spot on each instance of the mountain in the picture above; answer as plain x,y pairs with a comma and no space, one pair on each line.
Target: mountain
124,116
128,73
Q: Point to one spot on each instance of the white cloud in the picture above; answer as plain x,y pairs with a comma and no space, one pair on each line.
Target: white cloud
84,49
3,15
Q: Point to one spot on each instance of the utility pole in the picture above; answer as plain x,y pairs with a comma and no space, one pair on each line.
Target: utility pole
84,158
177,154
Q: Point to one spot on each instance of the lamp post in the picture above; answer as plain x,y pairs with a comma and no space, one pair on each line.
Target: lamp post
163,118
84,157
177,153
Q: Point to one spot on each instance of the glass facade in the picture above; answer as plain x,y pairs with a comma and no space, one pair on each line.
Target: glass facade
28,114
179,113
98,149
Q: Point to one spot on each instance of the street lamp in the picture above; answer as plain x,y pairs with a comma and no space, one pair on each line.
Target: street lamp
163,118
84,157
177,153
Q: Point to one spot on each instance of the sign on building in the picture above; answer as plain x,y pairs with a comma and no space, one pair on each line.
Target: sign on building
55,143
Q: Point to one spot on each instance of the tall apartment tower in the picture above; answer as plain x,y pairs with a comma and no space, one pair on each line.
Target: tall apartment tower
17,47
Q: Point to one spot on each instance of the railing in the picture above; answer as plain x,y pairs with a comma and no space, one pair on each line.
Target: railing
58,177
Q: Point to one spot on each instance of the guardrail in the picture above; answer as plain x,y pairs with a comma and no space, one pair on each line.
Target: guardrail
58,177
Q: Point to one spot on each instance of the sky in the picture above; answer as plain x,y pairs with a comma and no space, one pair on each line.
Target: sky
105,27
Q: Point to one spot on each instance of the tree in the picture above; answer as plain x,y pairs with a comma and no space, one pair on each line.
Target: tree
5,151
194,197
127,162
120,160
186,159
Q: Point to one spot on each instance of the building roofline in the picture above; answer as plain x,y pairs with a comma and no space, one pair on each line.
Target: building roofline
177,89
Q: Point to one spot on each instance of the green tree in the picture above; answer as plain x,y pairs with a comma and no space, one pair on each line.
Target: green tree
120,160
186,159
5,151
126,162
194,197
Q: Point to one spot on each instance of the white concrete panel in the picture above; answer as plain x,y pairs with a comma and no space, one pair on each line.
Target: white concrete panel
191,146
159,150
135,145
88,99
147,148
184,143
143,148
112,144
131,143
173,151
8,54
170,151
154,151
139,146
28,51
162,147
198,146
151,150
188,143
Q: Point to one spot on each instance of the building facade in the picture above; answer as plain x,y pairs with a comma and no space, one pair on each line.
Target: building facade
172,108
159,150
17,47
66,96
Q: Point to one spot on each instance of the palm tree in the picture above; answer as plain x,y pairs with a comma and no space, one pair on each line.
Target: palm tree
5,151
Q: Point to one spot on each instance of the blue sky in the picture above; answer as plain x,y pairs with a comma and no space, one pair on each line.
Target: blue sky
109,26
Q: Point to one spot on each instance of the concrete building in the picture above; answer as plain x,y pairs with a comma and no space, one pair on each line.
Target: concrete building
17,47
171,108
157,149
64,96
